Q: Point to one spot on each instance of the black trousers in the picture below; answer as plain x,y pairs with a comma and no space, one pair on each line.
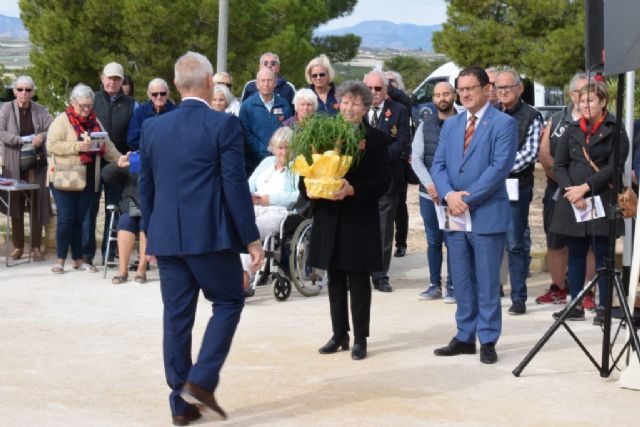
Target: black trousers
387,206
402,220
357,284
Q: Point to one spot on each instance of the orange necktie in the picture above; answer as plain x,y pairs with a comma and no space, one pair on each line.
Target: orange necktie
468,134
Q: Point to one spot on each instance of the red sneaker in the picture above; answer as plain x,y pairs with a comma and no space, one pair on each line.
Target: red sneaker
589,301
554,295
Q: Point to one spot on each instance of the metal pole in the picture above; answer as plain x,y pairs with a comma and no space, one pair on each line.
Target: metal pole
626,179
223,24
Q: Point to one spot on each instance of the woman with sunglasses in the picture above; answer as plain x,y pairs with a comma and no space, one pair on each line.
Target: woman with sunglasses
158,103
74,172
20,120
319,75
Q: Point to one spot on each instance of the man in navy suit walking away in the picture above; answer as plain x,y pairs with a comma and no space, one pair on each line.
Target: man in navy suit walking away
198,216
475,154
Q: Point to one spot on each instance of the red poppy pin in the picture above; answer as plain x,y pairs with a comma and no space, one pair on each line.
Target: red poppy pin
336,106
362,144
387,114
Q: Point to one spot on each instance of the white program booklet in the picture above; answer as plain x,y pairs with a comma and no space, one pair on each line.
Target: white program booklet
449,222
593,210
513,189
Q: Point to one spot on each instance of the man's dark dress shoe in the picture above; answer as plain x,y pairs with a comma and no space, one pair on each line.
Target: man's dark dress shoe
194,394
488,353
359,351
456,347
334,344
400,251
191,414
382,285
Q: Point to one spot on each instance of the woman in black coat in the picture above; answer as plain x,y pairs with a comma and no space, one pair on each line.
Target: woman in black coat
583,166
345,238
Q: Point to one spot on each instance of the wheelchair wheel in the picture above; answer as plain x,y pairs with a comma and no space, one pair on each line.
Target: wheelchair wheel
308,281
281,288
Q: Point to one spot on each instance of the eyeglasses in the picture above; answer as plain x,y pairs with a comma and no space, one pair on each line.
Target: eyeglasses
272,63
318,75
375,88
156,94
84,106
25,89
467,89
506,88
229,85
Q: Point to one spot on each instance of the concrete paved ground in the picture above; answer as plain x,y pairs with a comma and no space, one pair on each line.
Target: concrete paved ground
78,351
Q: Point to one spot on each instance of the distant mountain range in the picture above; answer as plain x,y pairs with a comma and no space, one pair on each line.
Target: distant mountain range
385,34
375,34
11,27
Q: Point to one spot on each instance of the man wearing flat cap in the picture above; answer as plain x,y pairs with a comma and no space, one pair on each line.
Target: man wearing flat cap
114,110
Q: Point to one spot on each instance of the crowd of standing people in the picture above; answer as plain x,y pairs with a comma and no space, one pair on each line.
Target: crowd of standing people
212,181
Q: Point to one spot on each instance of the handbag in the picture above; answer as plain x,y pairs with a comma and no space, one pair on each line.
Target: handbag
627,200
32,158
67,175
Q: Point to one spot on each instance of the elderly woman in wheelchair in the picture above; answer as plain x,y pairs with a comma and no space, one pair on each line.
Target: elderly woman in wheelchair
274,189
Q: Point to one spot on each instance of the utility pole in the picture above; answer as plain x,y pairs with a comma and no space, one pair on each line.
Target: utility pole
223,25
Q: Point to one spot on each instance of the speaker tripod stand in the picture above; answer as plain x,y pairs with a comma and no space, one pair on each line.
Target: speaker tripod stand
602,367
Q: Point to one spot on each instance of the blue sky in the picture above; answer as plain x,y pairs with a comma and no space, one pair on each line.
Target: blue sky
421,12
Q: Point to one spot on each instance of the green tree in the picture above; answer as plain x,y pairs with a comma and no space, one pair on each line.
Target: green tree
338,48
73,39
543,39
71,43
412,69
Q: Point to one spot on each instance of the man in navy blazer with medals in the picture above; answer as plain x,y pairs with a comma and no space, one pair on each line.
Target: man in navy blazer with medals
392,118
475,154
198,216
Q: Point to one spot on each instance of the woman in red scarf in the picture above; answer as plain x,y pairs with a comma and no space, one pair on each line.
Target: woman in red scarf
73,174
583,166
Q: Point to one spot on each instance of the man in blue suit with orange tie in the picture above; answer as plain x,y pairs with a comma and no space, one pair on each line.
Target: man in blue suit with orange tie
475,154
198,216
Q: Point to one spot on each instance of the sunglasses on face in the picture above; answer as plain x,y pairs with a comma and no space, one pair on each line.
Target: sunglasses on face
318,75
156,94
375,88
25,89
270,63
229,85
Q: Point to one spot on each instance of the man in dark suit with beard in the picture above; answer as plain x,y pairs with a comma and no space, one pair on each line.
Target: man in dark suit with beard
198,215
392,119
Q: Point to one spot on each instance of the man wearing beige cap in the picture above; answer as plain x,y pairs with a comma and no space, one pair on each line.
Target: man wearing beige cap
114,110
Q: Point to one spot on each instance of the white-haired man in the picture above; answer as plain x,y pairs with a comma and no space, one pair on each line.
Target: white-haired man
285,89
198,216
392,119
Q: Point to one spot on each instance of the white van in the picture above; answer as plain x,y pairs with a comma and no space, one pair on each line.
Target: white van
543,98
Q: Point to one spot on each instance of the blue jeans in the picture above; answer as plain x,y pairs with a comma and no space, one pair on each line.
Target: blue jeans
72,207
578,249
435,239
516,246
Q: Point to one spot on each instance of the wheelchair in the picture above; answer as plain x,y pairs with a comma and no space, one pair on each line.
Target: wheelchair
286,260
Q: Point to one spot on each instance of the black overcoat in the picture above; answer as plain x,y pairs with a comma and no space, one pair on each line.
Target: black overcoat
572,168
346,233
394,122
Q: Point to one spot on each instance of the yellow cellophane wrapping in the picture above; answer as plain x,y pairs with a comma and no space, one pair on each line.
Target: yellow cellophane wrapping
324,176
